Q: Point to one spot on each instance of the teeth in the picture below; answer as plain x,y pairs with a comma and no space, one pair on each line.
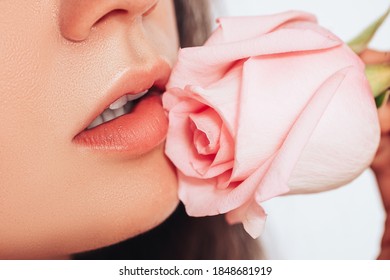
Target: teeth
119,103
119,112
108,115
118,108
123,100
128,107
96,122
131,97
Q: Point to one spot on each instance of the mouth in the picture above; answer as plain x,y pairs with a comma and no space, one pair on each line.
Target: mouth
131,120
122,106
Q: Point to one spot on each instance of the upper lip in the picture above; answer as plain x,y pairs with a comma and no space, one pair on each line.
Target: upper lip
130,81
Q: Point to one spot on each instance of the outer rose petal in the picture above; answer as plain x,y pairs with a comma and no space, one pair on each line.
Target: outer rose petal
202,198
280,103
230,31
340,161
276,178
216,60
251,215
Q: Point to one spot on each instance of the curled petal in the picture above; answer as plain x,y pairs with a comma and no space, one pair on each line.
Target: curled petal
215,60
207,131
202,198
251,215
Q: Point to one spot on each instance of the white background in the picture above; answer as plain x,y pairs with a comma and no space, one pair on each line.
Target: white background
346,223
103,270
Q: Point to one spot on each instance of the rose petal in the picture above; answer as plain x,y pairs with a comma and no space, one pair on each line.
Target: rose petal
352,122
249,27
223,180
276,105
179,144
276,169
219,165
201,198
225,155
208,130
182,102
251,215
275,180
223,97
217,59
195,194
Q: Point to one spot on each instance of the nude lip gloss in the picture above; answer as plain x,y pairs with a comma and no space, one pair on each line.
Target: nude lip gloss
134,134
139,131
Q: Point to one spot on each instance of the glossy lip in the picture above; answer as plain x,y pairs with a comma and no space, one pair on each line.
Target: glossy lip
141,130
131,82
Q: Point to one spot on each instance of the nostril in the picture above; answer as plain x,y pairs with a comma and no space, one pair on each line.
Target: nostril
76,27
150,10
77,17
113,13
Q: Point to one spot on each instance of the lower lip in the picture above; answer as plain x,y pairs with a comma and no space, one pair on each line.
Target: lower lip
132,134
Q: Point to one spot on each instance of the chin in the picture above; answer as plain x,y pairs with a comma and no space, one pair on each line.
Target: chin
136,207
102,203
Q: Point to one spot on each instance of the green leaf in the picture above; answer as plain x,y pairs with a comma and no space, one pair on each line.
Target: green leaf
382,98
378,76
361,41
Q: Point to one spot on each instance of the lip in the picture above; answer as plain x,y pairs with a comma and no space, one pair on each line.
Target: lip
140,131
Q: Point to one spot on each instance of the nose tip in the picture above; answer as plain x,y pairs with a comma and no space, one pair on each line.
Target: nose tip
77,17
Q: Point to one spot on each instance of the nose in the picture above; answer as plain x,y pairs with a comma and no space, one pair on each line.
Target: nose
78,17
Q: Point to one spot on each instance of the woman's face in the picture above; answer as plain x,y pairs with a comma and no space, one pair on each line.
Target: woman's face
71,180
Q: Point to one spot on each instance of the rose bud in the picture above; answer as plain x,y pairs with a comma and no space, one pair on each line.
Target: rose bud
270,105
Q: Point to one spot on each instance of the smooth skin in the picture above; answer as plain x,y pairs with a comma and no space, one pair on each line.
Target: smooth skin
59,59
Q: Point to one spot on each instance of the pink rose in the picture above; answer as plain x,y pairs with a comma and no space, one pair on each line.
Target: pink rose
270,105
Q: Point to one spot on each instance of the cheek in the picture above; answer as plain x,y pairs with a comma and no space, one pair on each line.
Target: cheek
26,53
26,48
160,28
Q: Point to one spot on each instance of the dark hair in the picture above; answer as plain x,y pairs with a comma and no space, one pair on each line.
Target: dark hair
181,236
193,21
